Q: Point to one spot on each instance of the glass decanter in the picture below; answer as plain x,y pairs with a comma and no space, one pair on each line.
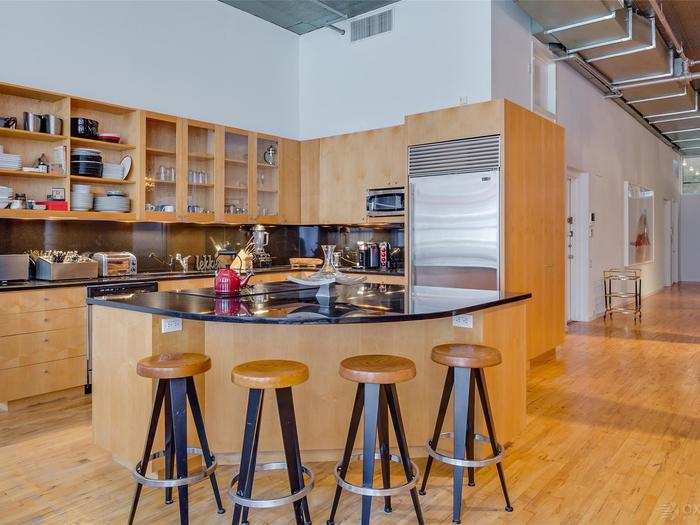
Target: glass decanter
328,270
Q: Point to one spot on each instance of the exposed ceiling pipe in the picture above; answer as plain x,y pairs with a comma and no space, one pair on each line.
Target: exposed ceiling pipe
336,29
339,14
668,30
679,78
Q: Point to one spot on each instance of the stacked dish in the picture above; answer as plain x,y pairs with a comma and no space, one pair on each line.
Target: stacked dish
6,194
10,162
86,162
112,171
113,201
81,197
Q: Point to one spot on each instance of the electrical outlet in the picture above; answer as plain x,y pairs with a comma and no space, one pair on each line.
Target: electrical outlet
463,100
170,324
463,321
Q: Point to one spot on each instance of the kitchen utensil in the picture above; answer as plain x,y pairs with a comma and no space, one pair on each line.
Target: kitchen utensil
228,282
84,127
51,124
115,263
270,156
8,122
110,137
14,267
57,271
32,121
126,166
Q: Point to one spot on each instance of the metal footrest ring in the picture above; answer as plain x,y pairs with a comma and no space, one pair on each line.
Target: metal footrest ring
368,491
444,458
179,482
277,502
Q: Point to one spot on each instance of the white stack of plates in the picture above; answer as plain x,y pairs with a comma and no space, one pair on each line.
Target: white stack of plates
112,171
81,197
112,203
10,162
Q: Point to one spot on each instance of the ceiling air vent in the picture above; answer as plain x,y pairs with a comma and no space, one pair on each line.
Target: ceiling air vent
371,25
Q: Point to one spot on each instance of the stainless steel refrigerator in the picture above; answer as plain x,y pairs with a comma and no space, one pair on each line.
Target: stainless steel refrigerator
455,214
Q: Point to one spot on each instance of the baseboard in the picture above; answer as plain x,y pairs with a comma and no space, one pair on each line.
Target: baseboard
69,393
543,358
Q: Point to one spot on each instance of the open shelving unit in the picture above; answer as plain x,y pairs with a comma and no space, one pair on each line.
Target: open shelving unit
232,181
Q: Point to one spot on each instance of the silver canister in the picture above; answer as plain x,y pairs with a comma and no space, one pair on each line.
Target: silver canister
32,121
51,124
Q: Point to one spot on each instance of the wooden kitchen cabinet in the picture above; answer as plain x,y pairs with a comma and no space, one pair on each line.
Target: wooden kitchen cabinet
43,339
533,216
337,171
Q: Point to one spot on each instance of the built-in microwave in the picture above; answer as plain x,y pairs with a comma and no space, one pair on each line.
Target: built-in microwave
383,202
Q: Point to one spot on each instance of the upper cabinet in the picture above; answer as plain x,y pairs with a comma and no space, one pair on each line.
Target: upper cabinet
267,180
237,175
198,173
160,173
338,171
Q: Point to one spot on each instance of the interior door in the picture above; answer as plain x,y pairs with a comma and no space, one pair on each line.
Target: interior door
569,240
674,242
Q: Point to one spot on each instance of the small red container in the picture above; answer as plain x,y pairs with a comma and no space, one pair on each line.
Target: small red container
55,205
228,282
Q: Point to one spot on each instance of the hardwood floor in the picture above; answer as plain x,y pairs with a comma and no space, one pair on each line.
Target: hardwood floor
613,436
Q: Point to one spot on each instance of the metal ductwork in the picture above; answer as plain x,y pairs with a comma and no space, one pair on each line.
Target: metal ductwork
621,47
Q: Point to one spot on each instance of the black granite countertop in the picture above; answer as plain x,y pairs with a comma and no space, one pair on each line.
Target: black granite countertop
9,286
288,303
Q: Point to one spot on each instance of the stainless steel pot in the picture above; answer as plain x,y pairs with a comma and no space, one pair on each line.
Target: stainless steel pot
51,124
32,121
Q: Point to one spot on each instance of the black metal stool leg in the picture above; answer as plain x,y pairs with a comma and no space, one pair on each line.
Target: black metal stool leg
460,405
470,431
393,402
352,434
245,478
201,433
150,436
384,446
444,401
246,510
483,393
290,439
369,441
178,401
169,444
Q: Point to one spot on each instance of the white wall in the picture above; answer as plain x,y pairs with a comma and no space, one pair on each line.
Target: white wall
200,59
603,140
438,52
510,53
690,237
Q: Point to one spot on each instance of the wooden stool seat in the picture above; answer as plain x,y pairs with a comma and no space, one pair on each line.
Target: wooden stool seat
173,365
270,373
466,355
377,369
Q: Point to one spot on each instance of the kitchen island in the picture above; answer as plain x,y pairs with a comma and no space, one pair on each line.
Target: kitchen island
289,321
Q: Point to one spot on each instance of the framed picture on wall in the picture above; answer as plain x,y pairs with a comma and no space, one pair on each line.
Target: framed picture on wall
639,224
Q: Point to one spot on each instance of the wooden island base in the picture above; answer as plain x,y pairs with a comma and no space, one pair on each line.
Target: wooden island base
122,400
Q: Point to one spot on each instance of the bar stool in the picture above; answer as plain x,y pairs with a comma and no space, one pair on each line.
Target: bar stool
282,376
465,364
376,376
174,373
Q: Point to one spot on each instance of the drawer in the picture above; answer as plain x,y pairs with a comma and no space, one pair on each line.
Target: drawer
33,380
41,300
41,347
30,322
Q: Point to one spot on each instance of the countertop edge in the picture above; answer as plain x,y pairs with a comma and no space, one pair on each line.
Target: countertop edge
516,297
144,277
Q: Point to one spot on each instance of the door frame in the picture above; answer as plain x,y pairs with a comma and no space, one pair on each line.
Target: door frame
578,291
668,242
675,241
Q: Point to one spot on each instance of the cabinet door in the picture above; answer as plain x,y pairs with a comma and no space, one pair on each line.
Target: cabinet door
267,180
237,175
160,181
200,201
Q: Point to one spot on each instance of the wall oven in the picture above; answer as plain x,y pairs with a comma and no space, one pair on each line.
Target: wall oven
385,202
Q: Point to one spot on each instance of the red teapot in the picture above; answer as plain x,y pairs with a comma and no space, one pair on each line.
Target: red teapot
228,282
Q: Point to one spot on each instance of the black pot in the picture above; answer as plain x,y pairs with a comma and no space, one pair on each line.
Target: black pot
85,158
84,128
